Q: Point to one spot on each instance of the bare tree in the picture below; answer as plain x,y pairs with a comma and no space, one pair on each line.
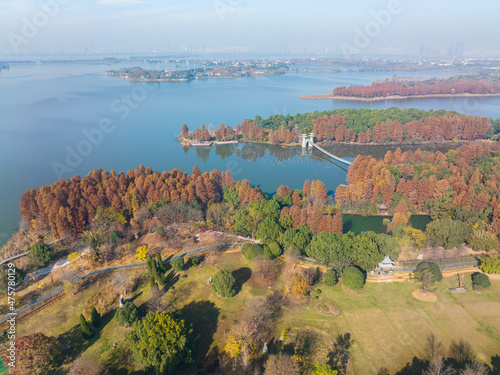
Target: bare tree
438,367
268,268
433,347
425,278
121,280
461,351
294,254
142,214
155,302
281,364
69,279
474,368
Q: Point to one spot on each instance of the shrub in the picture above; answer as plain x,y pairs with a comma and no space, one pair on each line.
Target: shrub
252,251
87,332
114,237
160,263
330,278
152,282
95,318
480,280
177,264
316,298
194,261
224,283
353,278
4,276
40,254
275,250
318,291
127,314
160,231
433,268
490,264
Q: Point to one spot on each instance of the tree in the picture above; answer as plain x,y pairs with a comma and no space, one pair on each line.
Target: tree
425,277
40,254
160,263
177,264
448,233
461,352
268,230
438,367
185,131
480,280
482,240
324,369
161,342
330,277
127,315
87,332
35,354
433,268
155,301
224,284
252,251
433,347
490,264
299,285
95,318
294,255
353,278
281,364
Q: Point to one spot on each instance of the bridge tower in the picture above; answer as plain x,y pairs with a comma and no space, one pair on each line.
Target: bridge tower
311,138
305,140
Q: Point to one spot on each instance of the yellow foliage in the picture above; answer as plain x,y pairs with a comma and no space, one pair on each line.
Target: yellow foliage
73,256
233,346
299,285
141,252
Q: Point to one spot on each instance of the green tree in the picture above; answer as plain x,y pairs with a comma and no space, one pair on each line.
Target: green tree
353,278
433,268
274,250
162,342
152,282
327,248
160,263
440,208
177,264
324,369
160,231
40,254
387,245
330,277
490,264
87,332
95,318
480,280
252,250
482,240
447,233
127,315
364,253
224,283
426,279
268,230
114,237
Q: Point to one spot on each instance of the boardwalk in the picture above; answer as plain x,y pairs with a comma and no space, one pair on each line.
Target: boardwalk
330,155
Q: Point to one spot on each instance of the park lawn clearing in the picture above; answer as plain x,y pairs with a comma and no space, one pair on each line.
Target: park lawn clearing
388,326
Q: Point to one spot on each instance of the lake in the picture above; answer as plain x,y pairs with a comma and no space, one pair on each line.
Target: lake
45,108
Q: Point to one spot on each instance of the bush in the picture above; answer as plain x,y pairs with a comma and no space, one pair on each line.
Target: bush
40,254
330,278
177,264
490,264
224,284
480,280
95,318
127,315
160,231
433,268
252,251
87,332
275,249
114,237
194,261
353,278
318,291
316,298
4,276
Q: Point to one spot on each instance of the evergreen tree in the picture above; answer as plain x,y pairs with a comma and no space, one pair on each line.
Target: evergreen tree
95,318
87,332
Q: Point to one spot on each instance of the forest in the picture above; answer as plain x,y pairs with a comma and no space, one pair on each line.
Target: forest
355,125
469,84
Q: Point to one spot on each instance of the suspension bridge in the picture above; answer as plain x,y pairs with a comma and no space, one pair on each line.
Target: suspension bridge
308,140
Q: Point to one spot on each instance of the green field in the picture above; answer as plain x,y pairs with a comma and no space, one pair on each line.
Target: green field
387,324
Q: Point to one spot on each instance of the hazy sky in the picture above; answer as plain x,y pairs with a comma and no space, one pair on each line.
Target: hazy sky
274,25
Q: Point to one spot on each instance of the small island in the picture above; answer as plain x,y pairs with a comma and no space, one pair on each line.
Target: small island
4,66
223,69
457,86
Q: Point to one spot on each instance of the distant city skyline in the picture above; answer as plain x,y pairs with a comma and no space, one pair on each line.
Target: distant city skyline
451,29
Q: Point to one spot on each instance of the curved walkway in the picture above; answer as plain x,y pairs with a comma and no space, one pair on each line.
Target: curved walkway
111,269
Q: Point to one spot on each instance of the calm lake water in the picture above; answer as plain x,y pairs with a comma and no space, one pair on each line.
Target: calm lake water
45,108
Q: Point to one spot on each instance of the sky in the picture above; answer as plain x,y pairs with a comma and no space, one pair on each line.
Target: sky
272,26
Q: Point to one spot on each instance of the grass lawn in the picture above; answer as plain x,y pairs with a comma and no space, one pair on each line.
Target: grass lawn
387,324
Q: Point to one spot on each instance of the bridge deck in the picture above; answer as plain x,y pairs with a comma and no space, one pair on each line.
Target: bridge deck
331,155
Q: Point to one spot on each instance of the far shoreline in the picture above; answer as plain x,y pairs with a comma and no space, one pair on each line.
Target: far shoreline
394,97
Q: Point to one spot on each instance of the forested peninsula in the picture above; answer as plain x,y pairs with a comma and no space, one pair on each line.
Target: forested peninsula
392,125
457,86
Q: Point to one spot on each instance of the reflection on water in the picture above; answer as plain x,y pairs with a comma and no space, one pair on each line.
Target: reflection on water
358,223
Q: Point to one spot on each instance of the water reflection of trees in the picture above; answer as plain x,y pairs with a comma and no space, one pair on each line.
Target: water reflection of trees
253,151
225,151
203,153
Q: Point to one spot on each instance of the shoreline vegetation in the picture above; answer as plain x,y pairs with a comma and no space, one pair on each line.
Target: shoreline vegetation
482,85
352,126
395,97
